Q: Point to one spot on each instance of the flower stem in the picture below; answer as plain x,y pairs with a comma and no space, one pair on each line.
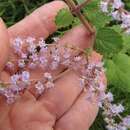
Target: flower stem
82,5
76,10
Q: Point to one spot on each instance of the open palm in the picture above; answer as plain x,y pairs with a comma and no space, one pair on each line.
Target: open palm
63,107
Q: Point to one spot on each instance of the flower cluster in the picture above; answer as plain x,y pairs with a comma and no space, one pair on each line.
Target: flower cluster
32,55
20,82
117,12
112,112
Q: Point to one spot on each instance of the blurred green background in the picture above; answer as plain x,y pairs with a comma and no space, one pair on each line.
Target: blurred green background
14,10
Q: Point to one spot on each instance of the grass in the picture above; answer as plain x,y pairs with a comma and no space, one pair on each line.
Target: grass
14,10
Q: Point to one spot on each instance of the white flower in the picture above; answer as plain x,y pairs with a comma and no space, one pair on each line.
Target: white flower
39,87
32,48
48,76
109,96
66,54
116,109
116,15
1,90
54,65
82,82
56,58
32,66
102,86
104,6
23,55
43,60
25,76
126,19
17,44
120,127
43,50
123,26
10,97
15,78
66,62
128,31
42,43
49,84
56,39
111,127
126,121
34,57
10,65
117,4
77,58
126,22
21,63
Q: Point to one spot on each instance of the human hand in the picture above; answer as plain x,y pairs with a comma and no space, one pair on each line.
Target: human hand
63,107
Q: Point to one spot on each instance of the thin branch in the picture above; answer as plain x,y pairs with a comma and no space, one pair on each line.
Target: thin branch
82,5
73,7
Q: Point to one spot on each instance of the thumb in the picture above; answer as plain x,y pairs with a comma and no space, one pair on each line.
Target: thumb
4,45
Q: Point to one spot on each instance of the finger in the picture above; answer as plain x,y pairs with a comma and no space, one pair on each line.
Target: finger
4,44
60,98
41,23
33,120
77,37
4,53
82,114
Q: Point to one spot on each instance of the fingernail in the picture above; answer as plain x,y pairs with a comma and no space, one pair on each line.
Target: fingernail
1,20
2,23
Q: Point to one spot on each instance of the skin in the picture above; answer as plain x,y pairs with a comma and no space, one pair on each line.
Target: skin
61,108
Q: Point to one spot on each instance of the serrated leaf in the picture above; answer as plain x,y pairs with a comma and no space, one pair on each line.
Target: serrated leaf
126,48
108,42
118,71
76,22
95,15
126,39
80,1
117,28
64,18
93,5
111,72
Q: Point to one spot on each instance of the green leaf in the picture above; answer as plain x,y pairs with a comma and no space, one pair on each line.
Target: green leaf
111,72
118,71
127,3
95,15
126,39
126,48
117,28
64,18
80,1
108,42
